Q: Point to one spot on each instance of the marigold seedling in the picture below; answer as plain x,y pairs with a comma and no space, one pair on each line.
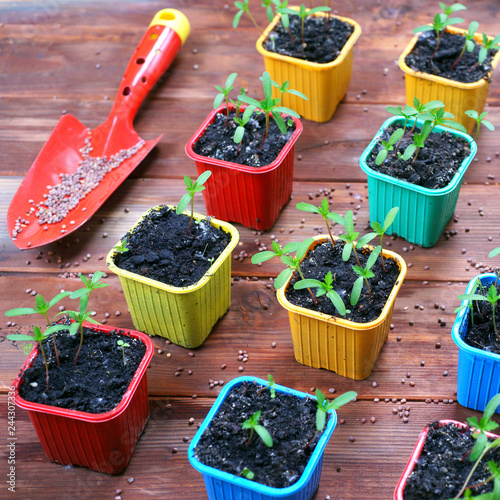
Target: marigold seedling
324,287
303,12
488,45
240,130
479,118
242,8
276,252
123,344
192,189
381,230
247,473
364,274
224,94
252,423
469,42
389,145
292,263
121,247
271,385
324,406
324,211
350,238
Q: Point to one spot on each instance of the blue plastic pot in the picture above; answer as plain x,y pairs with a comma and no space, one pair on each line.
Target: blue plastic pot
478,377
423,213
225,486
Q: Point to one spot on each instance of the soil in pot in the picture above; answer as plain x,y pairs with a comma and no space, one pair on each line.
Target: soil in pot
480,332
324,258
465,71
290,420
324,39
441,469
159,248
436,164
98,381
217,140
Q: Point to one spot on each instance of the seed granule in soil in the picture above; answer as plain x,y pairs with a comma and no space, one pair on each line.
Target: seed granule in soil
291,421
441,469
217,140
436,164
160,249
98,381
481,334
324,39
324,258
465,71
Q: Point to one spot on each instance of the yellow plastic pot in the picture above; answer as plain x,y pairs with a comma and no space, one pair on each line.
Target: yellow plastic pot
458,97
324,84
184,315
350,349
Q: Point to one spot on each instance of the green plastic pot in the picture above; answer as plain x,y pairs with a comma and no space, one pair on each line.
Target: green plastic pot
423,212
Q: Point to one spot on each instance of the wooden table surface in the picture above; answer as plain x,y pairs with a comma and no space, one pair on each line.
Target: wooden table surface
61,56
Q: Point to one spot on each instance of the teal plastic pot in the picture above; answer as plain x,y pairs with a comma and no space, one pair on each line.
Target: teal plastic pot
478,374
423,213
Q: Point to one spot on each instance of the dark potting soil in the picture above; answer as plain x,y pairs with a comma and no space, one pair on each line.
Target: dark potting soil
450,46
223,445
324,258
436,164
323,39
441,469
160,249
217,141
98,381
481,334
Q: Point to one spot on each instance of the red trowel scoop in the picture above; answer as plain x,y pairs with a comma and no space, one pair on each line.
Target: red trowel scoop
78,169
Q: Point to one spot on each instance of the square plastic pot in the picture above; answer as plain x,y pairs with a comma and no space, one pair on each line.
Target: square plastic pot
458,97
184,315
251,196
423,213
478,377
399,491
323,84
222,485
350,349
102,442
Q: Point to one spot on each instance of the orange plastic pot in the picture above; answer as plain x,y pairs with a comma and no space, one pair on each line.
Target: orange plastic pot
350,349
324,84
102,442
457,97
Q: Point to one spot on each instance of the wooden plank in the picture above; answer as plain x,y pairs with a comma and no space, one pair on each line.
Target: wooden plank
385,445
254,321
137,196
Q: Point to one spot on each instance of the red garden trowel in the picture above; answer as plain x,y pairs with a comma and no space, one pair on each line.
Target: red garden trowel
78,168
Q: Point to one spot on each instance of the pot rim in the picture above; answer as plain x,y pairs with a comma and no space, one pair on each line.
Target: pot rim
81,415
339,320
189,148
225,226
446,81
242,482
413,187
312,66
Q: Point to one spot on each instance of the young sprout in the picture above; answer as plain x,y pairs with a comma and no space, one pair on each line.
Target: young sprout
242,8
38,337
418,142
350,239
389,145
237,103
381,230
252,423
271,385
224,94
407,113
276,252
469,41
269,9
123,344
121,247
303,13
293,263
240,129
439,116
422,109
479,120
483,446
487,45
284,89
246,472
270,106
452,8
324,406
364,274
324,287
41,307
82,314
191,189
285,20
324,211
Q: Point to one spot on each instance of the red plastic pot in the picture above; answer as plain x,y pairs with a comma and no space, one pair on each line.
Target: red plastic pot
399,491
251,196
102,442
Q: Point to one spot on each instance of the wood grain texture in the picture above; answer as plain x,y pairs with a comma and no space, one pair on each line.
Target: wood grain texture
69,57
